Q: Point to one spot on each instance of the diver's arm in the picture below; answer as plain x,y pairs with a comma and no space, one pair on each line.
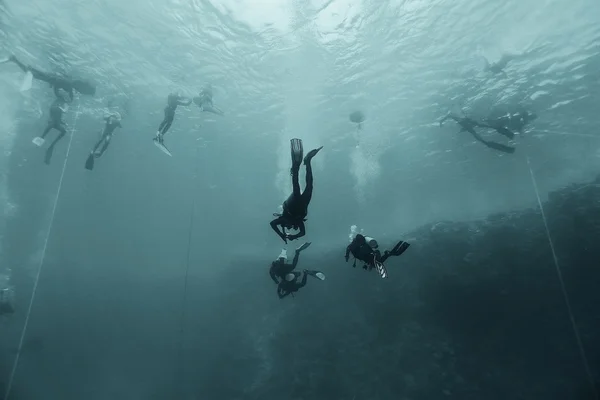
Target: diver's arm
449,115
274,225
282,293
347,256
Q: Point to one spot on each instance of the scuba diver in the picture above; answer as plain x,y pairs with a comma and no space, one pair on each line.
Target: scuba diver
56,81
204,101
286,278
5,305
113,121
366,250
295,208
174,100
468,125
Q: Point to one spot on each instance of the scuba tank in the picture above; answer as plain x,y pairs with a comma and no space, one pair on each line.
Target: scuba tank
372,242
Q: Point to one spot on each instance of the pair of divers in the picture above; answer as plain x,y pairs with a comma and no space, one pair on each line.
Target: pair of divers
468,125
285,276
203,101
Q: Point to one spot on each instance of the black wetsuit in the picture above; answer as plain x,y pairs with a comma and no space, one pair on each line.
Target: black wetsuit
173,101
110,126
469,125
58,82
285,288
295,208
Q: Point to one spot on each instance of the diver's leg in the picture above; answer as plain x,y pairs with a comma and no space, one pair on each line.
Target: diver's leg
48,129
106,141
97,144
63,131
295,184
303,281
169,121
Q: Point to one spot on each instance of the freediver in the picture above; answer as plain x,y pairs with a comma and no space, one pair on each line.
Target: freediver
5,305
469,125
55,121
56,81
286,278
370,255
295,208
112,122
204,101
174,100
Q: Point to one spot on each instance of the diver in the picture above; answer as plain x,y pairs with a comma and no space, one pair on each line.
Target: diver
469,125
55,121
174,100
366,250
286,278
56,81
279,268
295,208
113,121
5,305
204,101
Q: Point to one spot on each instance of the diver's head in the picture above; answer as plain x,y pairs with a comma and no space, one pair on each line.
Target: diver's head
116,116
290,277
360,238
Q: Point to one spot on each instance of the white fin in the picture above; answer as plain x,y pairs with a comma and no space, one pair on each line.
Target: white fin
27,81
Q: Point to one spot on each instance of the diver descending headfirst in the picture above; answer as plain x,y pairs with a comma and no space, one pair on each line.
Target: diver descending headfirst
56,81
113,121
366,250
295,208
469,125
286,278
174,100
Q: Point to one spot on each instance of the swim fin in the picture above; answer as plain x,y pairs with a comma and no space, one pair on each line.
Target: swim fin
316,274
381,269
89,163
297,151
162,147
399,248
304,246
27,81
500,147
